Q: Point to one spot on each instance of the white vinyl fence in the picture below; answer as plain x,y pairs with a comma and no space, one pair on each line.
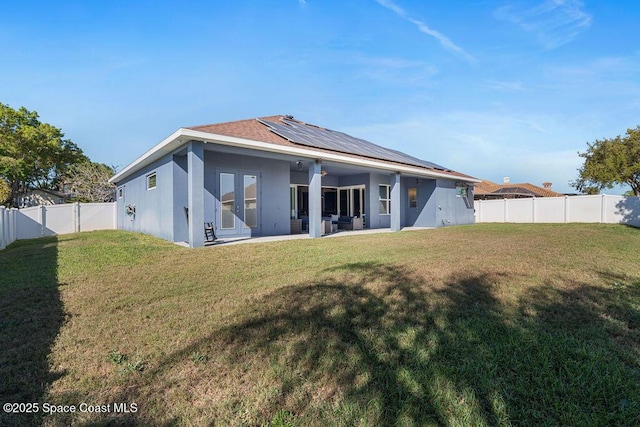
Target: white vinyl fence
40,221
598,208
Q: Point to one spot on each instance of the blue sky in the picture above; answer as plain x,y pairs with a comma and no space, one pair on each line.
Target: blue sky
490,88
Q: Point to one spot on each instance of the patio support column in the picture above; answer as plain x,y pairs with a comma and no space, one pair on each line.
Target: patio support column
315,199
395,202
195,178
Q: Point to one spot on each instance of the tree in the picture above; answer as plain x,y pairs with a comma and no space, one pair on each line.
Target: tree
5,191
591,190
32,154
610,162
89,182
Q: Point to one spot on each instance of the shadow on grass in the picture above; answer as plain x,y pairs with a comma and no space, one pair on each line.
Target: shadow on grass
374,344
32,315
610,312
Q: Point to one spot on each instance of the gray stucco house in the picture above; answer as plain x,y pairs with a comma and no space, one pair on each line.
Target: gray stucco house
270,175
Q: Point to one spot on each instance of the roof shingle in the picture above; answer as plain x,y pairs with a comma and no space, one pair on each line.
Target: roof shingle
255,130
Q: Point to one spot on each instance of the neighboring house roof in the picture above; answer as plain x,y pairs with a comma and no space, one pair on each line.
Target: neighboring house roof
485,187
488,189
41,196
285,135
55,193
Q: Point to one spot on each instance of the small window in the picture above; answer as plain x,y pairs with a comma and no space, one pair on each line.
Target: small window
384,202
463,191
151,181
413,197
120,192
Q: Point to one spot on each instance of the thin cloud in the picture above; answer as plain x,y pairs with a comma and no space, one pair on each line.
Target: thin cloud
611,67
395,71
424,28
554,22
506,86
529,148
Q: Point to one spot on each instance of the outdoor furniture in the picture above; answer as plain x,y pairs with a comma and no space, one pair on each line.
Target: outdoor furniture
328,227
349,223
296,226
305,222
356,224
209,233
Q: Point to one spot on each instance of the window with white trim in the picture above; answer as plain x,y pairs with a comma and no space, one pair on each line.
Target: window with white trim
384,200
120,192
152,180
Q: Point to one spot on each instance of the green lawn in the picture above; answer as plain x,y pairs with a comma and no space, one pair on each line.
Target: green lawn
473,325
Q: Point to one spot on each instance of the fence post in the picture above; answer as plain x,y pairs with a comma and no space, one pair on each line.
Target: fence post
603,205
506,210
43,220
2,228
14,224
11,226
533,209
115,215
566,209
77,217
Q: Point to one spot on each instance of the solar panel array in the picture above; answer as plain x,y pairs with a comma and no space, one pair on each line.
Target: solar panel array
317,137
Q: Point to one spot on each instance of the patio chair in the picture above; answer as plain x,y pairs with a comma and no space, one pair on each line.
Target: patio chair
209,233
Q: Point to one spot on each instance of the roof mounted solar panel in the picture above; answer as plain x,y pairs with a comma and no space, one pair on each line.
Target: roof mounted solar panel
317,137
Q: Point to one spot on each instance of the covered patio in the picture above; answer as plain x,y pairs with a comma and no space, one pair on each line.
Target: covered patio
302,236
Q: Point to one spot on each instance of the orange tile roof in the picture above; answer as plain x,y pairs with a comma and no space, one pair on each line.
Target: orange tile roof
540,191
488,187
252,129
485,187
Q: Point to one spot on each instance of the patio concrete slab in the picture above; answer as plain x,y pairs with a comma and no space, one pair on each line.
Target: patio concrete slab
266,239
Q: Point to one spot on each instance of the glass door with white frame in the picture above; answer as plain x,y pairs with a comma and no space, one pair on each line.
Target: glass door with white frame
351,201
238,212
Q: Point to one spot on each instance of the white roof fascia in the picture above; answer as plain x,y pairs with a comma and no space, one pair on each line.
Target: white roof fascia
176,139
165,146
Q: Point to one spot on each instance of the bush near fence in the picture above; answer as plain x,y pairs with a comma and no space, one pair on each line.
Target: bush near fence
596,209
40,221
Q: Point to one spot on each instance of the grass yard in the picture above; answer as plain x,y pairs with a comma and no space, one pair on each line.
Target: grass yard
473,325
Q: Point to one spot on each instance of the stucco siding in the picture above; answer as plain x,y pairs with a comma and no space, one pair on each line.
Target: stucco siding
299,178
353,180
153,207
273,184
302,178
424,214
451,209
180,199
